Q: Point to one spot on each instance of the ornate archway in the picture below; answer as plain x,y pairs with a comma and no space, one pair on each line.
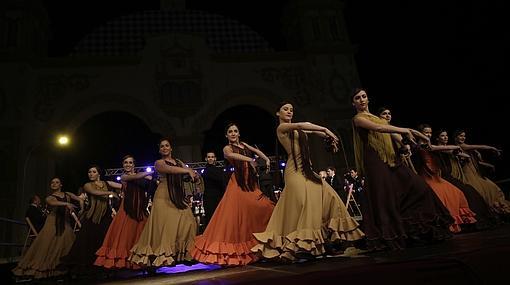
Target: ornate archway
103,140
256,127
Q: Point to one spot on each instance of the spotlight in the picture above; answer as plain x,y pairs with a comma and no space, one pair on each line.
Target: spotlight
282,164
118,178
148,169
63,140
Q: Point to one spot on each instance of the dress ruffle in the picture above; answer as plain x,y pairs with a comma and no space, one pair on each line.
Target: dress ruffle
42,259
164,255
114,258
272,245
224,253
228,238
122,234
466,216
344,229
168,235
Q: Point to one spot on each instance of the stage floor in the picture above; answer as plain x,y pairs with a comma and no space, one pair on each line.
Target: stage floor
470,258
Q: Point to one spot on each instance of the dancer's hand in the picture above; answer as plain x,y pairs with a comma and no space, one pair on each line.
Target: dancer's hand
497,151
420,135
409,135
253,164
71,207
331,135
268,165
114,195
193,174
463,155
334,146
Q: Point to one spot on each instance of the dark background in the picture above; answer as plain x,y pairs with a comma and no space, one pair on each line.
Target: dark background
440,62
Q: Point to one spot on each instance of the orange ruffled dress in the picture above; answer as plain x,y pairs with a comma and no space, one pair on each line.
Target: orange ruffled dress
125,228
228,238
451,197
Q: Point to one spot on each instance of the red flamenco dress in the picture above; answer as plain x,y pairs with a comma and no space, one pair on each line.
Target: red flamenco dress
242,211
125,228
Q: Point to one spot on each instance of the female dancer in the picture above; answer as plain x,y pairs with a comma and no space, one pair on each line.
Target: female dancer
451,171
309,212
129,222
168,235
398,204
490,192
428,168
55,238
97,219
404,150
243,210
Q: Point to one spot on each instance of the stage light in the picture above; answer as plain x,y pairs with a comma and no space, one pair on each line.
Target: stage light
148,169
202,171
181,268
60,141
282,164
63,140
118,178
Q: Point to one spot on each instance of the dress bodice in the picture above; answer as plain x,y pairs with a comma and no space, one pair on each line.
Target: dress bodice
430,163
287,145
65,198
379,142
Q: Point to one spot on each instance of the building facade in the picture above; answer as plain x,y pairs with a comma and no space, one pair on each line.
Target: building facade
175,69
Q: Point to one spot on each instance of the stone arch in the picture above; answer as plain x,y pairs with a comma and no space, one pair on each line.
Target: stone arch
70,119
86,107
256,126
103,139
262,98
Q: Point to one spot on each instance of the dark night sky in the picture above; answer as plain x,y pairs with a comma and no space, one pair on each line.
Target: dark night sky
441,62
